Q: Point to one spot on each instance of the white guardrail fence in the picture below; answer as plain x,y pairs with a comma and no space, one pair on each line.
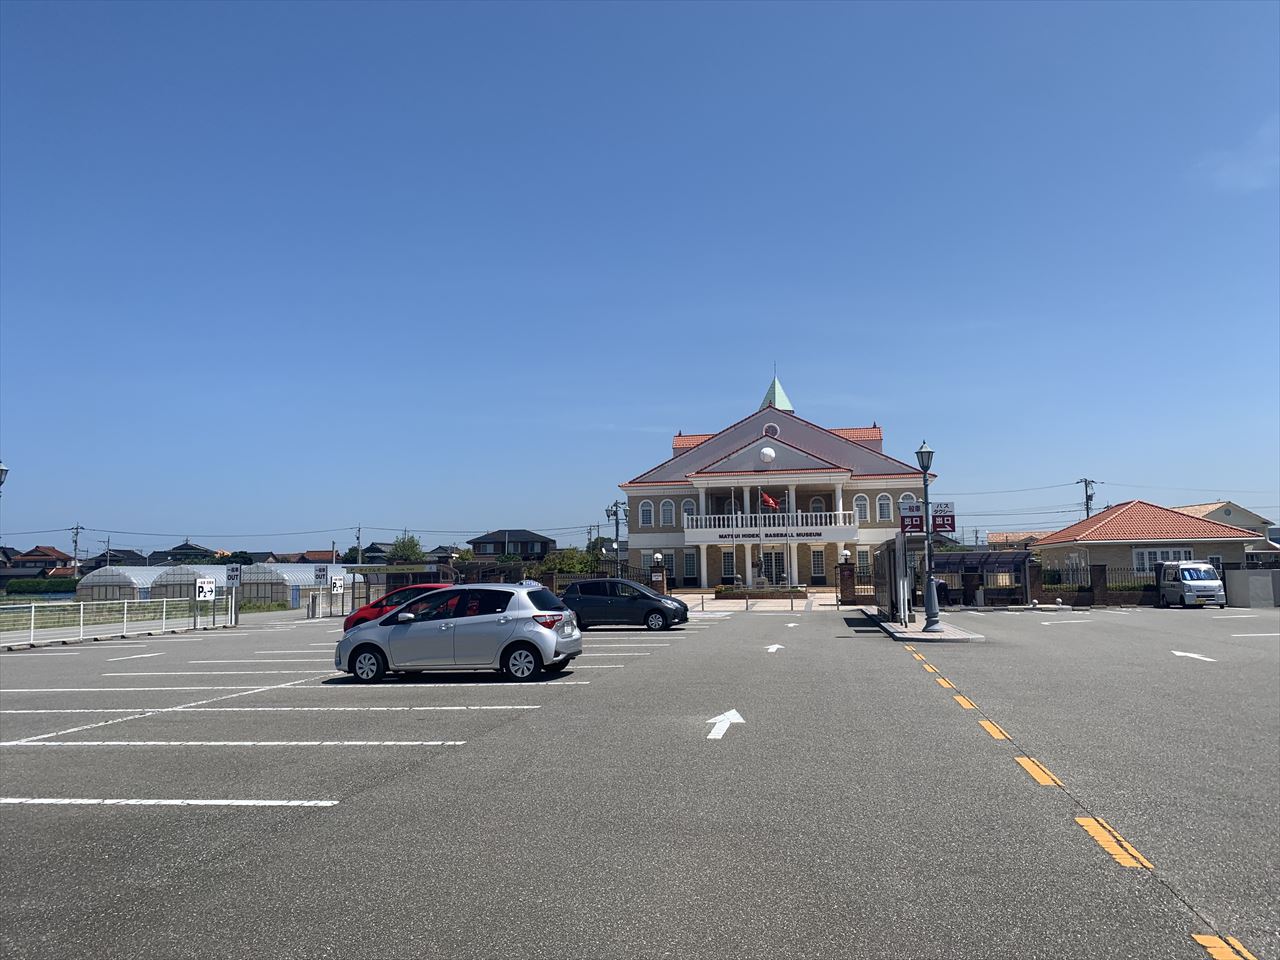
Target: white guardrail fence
52,622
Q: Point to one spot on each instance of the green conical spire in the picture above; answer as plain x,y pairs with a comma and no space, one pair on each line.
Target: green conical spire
777,397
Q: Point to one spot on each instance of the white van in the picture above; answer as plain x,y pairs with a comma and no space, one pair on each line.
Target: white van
1189,583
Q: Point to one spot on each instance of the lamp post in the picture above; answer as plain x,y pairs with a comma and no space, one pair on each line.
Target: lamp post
617,512
4,472
924,457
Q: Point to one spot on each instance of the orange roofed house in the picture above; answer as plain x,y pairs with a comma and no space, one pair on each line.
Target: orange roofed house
1138,534
707,509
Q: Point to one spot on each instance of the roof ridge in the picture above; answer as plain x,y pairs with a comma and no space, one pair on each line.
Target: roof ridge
766,437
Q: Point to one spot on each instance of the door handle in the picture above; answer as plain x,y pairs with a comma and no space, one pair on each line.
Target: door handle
445,626
504,619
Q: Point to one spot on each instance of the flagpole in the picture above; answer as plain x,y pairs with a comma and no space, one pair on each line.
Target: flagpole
760,501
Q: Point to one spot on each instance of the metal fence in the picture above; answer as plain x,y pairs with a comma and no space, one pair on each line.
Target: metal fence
1066,577
1129,578
31,622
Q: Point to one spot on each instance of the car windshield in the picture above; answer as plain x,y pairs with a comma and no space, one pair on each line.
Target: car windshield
1199,573
641,587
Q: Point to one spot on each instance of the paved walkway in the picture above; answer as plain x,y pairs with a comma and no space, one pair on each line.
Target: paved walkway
915,632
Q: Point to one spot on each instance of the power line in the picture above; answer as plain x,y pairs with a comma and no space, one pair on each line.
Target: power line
215,536
32,533
983,493
1145,486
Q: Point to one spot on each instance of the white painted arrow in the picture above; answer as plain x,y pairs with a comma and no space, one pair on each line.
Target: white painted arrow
1179,653
722,723
774,648
793,624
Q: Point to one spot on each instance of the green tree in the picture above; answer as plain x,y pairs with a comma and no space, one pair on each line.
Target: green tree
509,558
351,556
466,555
569,560
406,549
241,557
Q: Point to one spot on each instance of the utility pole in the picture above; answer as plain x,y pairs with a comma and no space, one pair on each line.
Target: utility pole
333,549
1088,495
359,548
75,547
617,512
108,543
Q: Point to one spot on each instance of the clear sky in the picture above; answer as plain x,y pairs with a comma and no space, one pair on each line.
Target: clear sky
268,268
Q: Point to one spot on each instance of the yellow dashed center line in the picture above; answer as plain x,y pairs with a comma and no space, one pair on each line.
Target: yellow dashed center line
1039,772
909,649
944,682
1219,949
994,729
931,668
1121,850
965,702
918,656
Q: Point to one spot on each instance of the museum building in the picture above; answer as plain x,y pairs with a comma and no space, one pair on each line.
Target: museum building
772,497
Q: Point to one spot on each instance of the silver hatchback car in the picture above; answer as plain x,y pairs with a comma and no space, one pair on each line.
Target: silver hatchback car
519,629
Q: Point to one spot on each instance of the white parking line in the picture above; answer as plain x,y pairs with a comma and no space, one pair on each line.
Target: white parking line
615,654
525,706
1256,635
140,802
975,613
311,660
393,687
133,656
596,666
339,630
1235,616
232,743
6,656
275,651
212,673
1054,623
598,645
7,690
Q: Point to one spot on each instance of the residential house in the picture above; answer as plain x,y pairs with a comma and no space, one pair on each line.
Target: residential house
263,556
1136,534
43,559
1014,539
773,496
443,554
115,558
7,554
185,553
375,552
308,556
525,544
1225,511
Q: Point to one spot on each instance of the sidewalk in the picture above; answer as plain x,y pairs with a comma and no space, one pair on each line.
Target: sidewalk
915,632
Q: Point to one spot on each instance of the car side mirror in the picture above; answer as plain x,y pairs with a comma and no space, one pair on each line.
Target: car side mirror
404,616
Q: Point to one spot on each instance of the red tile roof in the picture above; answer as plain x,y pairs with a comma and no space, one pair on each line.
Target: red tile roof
859,434
688,441
1137,521
63,572
46,553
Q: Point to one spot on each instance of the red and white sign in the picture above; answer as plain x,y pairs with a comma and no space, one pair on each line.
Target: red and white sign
944,518
911,516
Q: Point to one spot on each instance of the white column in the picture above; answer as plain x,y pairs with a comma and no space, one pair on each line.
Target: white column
746,499
702,504
795,561
839,498
702,557
791,498
746,565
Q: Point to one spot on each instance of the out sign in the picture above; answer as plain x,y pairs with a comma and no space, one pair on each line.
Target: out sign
912,517
944,517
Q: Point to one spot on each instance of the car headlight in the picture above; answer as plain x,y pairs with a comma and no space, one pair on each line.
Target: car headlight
671,603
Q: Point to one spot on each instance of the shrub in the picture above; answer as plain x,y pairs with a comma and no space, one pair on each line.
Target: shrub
47,585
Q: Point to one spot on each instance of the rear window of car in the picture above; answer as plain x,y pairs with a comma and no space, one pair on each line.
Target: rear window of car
544,599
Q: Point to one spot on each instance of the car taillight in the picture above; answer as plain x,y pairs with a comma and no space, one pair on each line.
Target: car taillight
548,620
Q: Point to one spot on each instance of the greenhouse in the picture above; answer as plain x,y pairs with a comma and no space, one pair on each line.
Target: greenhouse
292,584
118,583
180,582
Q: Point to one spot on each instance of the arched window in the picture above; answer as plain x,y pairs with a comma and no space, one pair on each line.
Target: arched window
862,507
817,505
688,508
907,498
884,508
667,513
646,513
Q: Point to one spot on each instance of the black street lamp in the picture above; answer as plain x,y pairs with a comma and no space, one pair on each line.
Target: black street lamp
932,624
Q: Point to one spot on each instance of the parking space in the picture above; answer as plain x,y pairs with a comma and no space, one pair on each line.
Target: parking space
858,805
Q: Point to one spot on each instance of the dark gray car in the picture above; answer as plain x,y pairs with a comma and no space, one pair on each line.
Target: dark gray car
612,601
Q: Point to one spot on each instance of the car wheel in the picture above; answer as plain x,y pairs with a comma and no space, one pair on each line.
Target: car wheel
368,665
656,620
1182,602
1222,606
559,666
521,662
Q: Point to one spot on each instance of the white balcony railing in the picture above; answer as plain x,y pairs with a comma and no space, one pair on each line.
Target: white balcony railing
770,520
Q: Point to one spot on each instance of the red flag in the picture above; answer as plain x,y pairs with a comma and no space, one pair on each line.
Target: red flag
768,501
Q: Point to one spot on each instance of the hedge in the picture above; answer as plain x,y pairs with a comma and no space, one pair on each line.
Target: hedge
47,585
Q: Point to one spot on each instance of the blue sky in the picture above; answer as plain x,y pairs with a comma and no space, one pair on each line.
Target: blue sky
298,267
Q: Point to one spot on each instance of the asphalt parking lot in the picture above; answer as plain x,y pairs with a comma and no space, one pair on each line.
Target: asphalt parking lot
755,784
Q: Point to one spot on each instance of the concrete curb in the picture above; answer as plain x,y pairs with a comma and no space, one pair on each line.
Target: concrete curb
952,634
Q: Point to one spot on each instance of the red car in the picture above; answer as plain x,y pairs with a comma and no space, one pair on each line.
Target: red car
395,598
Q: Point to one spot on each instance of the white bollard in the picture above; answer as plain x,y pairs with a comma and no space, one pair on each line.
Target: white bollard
32,635
125,631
